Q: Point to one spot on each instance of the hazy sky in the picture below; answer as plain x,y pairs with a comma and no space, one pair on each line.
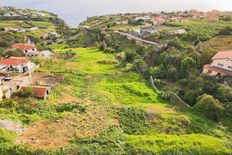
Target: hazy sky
75,11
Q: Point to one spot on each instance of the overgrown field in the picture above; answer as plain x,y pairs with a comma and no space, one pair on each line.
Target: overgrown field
102,108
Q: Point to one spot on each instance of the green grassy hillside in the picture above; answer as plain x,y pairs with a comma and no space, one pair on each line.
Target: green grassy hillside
101,108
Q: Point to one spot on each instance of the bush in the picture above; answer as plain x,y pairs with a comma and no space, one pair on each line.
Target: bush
209,107
133,120
25,92
224,93
14,53
226,31
165,95
8,103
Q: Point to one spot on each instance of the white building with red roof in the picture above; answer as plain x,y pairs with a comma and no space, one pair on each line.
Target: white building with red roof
16,64
40,92
158,20
221,64
31,51
26,48
179,19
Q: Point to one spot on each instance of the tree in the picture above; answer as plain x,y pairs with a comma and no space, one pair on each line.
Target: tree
190,96
140,64
224,93
210,107
157,71
172,73
187,64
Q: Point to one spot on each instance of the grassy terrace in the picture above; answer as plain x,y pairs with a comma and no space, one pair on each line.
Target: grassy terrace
101,108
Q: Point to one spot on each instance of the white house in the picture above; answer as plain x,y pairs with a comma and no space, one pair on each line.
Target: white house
46,54
176,32
158,20
26,48
145,19
17,64
221,64
31,51
147,30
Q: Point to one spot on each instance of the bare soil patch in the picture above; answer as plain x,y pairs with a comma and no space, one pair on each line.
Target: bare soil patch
66,98
46,78
55,134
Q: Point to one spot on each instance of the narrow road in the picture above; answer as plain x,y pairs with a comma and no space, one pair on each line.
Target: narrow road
130,36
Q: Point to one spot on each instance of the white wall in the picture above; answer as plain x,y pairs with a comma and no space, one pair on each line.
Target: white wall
226,63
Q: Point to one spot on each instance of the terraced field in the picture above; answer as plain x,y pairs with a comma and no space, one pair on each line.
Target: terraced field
101,108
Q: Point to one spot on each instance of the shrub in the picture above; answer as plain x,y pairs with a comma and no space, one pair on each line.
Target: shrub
226,31
224,93
133,120
209,107
25,92
165,95
12,52
8,103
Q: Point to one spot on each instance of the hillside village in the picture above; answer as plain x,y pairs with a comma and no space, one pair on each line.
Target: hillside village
17,72
134,83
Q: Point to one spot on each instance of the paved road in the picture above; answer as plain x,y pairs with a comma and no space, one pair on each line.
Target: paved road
137,38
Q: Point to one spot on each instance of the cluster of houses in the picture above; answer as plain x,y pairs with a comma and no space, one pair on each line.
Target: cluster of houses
19,12
151,22
20,30
16,73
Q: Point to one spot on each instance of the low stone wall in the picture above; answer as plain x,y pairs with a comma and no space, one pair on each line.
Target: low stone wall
176,100
153,85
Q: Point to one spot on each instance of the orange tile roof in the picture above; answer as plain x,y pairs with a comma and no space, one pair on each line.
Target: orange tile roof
14,61
23,47
223,55
39,91
157,18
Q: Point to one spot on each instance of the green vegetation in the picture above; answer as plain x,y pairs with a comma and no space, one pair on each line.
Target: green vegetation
174,144
102,101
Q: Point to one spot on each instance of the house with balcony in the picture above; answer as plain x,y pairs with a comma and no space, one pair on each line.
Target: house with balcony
221,64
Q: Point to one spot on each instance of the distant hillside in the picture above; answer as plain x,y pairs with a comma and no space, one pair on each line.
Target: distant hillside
11,13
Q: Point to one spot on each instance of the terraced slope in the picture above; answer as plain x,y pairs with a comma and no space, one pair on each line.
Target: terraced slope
100,108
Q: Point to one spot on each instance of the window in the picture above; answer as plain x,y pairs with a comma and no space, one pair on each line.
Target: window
219,64
209,71
25,51
230,67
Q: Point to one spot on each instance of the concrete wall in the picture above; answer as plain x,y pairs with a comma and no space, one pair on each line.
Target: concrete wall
225,64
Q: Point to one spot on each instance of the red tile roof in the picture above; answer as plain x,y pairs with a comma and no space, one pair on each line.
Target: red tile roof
39,91
208,67
24,47
14,61
158,19
223,55
215,12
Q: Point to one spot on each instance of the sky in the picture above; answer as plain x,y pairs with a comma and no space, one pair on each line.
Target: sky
76,11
